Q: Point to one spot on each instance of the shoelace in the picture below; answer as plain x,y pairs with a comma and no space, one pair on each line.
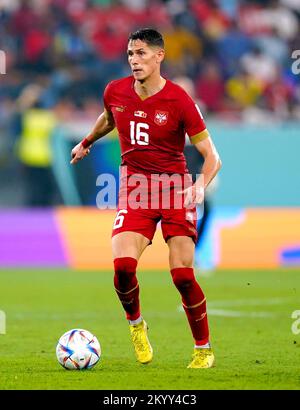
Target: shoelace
137,339
202,354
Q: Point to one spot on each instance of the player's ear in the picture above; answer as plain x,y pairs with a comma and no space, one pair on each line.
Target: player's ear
160,55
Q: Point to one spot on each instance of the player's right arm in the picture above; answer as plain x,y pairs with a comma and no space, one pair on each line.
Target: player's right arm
104,124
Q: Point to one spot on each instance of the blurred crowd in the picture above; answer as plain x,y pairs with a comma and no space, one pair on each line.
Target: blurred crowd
60,54
238,53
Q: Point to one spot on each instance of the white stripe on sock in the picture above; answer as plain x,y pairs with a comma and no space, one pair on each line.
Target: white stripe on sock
136,321
206,346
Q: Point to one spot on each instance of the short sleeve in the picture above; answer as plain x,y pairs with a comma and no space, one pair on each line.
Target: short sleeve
194,124
107,96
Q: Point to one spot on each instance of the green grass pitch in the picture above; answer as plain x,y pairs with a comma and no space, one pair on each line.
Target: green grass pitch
250,322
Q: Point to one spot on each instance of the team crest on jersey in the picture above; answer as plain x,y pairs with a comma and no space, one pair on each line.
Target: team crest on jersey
141,114
161,117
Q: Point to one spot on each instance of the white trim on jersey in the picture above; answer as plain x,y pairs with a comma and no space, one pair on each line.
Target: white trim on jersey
199,111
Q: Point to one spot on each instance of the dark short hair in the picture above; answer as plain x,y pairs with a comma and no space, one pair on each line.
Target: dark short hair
149,36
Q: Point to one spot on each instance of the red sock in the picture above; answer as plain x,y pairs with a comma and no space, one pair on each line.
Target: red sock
194,303
127,286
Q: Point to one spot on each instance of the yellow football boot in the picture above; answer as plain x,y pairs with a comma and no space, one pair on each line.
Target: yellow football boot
142,347
202,359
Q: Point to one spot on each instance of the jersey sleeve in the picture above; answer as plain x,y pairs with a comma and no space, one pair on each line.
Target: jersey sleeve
107,97
193,121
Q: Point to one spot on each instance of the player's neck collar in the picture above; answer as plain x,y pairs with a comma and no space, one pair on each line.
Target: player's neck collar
157,90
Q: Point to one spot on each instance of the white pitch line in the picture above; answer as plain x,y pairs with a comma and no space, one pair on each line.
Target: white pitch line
214,311
250,302
235,313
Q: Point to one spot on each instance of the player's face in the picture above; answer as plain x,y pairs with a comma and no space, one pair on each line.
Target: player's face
143,59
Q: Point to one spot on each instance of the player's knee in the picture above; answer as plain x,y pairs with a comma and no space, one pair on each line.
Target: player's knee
183,277
125,266
125,271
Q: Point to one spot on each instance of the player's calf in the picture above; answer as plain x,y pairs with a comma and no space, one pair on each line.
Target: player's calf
126,286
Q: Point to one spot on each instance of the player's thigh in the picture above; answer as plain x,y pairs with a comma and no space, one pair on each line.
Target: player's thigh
180,233
129,244
133,230
181,251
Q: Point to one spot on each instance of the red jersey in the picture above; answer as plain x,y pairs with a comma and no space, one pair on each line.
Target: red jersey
152,131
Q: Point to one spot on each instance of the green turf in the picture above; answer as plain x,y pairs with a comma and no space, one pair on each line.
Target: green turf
250,322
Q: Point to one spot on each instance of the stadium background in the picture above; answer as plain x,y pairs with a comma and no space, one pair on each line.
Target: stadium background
59,57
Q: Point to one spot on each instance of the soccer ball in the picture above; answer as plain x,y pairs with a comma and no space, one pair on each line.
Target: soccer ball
78,349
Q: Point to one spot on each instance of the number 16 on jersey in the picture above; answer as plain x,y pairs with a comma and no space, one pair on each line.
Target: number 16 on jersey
137,136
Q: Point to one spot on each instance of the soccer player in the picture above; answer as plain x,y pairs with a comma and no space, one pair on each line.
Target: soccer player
152,115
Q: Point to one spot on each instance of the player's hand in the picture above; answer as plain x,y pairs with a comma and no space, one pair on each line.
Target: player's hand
78,153
192,195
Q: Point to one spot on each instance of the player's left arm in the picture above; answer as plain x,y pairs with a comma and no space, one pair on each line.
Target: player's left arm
212,162
195,127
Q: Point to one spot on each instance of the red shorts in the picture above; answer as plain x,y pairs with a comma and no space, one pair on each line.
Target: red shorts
141,208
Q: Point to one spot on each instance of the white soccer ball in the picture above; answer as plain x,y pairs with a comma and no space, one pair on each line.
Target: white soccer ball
78,349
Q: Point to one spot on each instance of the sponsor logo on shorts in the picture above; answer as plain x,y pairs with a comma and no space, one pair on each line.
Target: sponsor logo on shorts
190,216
